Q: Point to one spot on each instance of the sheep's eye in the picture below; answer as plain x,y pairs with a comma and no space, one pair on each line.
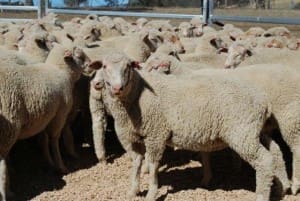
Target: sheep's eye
104,66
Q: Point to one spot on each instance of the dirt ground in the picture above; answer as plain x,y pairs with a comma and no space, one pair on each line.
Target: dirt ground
179,176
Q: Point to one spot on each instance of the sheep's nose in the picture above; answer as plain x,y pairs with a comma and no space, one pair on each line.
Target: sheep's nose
227,66
117,89
98,85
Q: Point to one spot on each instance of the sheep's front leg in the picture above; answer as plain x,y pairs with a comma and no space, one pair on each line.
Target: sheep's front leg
155,147
3,177
99,123
135,174
54,130
207,174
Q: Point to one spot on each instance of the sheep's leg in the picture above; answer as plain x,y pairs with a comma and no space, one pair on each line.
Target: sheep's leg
54,130
3,177
296,169
43,141
252,151
68,141
290,131
145,167
206,165
135,176
155,152
99,123
57,156
280,170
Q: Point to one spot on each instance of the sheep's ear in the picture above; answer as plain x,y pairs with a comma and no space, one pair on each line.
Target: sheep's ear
222,49
232,38
249,53
70,37
176,29
86,37
267,35
41,43
95,65
135,64
42,26
174,54
213,42
21,37
68,57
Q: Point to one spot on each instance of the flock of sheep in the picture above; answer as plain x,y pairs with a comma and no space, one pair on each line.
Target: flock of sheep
189,87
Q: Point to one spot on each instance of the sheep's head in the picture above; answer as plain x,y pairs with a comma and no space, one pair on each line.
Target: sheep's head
98,81
236,54
173,40
189,30
159,63
117,72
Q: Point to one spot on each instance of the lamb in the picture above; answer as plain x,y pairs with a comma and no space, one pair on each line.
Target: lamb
168,118
37,98
278,31
188,30
160,25
241,54
169,64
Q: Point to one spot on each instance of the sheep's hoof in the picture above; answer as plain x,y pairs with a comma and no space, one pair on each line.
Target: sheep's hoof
150,197
74,155
205,182
63,170
295,189
10,195
102,160
145,169
132,194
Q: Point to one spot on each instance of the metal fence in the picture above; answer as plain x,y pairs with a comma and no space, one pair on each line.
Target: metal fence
257,15
123,13
37,8
211,11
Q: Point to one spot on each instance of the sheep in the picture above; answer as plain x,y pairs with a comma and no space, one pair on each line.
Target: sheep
277,31
98,113
169,64
254,32
206,50
241,54
12,36
152,110
37,46
188,30
37,98
160,25
280,82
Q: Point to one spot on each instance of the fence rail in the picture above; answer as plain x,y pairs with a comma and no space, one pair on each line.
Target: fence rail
207,14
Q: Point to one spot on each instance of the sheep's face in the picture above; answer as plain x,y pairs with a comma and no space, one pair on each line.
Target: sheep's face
117,72
158,63
98,81
236,54
173,40
76,59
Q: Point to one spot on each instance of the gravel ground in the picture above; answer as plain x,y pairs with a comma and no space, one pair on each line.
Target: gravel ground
179,177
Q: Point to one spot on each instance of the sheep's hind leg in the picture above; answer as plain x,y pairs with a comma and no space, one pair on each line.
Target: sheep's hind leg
68,140
252,151
280,169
